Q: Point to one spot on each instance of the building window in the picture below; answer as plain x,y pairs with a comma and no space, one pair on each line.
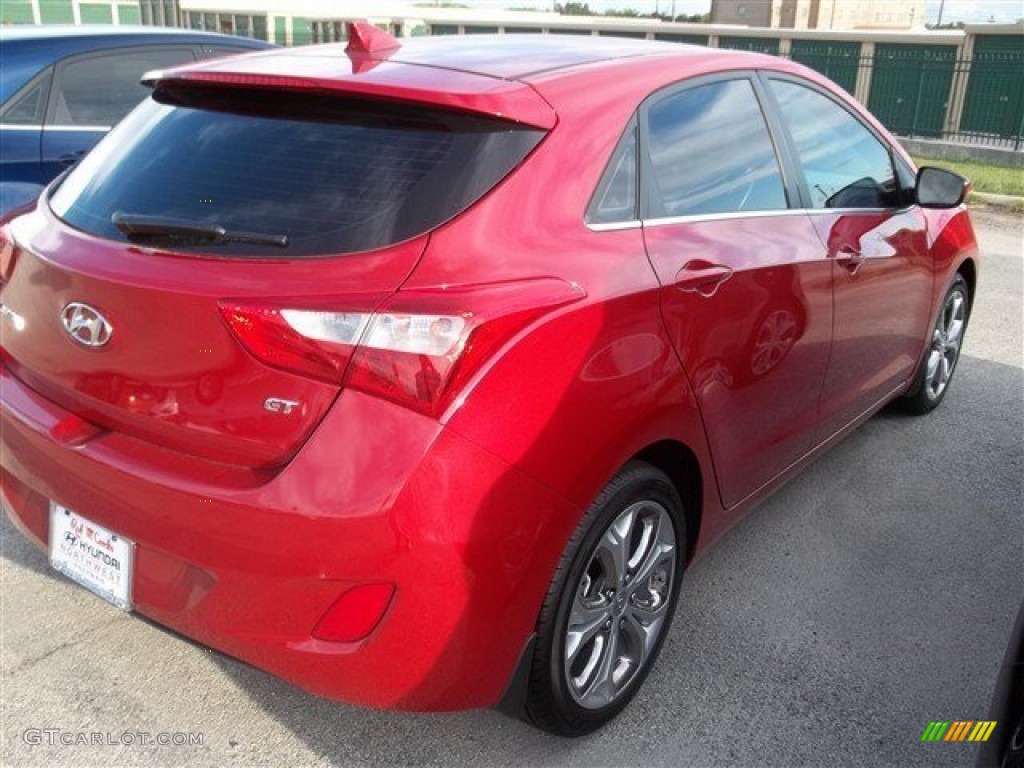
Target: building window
328,31
243,25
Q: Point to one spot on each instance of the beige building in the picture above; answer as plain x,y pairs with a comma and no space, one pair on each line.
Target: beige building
820,14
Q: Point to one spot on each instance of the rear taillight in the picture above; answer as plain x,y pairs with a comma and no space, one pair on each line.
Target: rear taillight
313,342
416,349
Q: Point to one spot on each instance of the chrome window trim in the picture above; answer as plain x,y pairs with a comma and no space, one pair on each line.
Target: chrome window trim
77,127
12,127
612,226
724,216
732,215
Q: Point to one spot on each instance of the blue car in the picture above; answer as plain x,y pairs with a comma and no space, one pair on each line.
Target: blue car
63,87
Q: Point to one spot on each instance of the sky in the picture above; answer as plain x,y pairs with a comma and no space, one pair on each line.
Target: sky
976,11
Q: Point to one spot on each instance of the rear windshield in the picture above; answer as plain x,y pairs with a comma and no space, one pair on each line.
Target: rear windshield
323,174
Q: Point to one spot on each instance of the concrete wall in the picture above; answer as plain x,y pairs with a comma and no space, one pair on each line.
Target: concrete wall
756,13
950,150
821,14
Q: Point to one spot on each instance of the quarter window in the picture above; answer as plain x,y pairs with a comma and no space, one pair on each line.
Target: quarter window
711,152
615,199
844,164
30,106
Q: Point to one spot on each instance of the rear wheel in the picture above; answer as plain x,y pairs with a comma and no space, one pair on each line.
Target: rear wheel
610,604
936,370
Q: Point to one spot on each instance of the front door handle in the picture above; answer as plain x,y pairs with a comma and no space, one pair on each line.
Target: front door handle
703,277
850,258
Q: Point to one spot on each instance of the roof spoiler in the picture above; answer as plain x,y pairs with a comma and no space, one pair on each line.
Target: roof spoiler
367,46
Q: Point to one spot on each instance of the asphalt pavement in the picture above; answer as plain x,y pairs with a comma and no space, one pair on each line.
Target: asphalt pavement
871,595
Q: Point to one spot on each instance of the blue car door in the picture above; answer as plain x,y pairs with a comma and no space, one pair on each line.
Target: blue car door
92,92
21,124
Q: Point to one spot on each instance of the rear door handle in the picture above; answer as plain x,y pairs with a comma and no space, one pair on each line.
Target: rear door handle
849,257
71,157
703,277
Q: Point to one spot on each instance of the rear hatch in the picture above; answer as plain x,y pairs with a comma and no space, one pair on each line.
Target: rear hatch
144,291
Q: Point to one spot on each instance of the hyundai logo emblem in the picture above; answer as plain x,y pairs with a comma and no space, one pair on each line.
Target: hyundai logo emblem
86,325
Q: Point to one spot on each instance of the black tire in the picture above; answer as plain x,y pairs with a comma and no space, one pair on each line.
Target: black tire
923,397
637,496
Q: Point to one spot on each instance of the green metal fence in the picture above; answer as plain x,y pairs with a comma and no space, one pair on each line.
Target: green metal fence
756,44
839,61
994,101
914,89
911,87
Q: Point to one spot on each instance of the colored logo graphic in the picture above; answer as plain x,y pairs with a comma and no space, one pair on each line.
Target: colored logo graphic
958,730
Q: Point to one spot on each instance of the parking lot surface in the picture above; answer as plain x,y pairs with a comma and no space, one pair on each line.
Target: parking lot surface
872,594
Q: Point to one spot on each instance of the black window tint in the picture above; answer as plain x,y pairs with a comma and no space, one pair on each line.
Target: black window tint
615,198
101,90
711,152
844,164
30,106
333,175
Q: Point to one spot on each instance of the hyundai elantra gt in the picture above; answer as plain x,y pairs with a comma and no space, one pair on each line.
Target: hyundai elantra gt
417,373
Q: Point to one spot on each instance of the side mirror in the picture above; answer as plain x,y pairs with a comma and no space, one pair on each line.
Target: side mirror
939,188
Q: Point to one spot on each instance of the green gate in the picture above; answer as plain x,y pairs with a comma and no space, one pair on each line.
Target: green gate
994,102
756,44
910,87
836,60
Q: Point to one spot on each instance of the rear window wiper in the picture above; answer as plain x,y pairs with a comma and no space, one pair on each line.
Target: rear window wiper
140,227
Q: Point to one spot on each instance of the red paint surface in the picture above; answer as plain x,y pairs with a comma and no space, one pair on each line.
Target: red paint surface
251,524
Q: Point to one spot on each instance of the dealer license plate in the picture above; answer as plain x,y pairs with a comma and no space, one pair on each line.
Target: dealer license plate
92,555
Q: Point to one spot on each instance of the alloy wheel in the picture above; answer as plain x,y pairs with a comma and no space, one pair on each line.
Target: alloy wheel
620,605
945,347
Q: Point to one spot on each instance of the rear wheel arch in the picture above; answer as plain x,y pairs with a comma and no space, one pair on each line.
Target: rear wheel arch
680,464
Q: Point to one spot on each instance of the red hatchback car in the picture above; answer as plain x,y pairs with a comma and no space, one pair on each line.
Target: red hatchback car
417,374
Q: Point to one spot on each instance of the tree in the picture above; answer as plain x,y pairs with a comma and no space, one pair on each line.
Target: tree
574,9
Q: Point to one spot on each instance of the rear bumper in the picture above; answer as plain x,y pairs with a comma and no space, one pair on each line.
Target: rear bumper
248,564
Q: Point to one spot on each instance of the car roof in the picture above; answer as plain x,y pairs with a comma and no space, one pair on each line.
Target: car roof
517,57
488,74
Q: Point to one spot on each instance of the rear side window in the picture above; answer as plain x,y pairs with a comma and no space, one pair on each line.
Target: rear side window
330,175
711,152
100,90
844,164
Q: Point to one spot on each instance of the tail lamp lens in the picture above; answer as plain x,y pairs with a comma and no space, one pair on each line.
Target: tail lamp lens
414,349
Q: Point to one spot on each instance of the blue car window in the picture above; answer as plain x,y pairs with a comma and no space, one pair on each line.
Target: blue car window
78,100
